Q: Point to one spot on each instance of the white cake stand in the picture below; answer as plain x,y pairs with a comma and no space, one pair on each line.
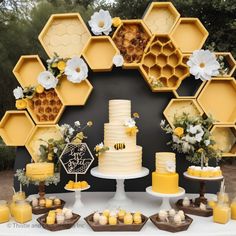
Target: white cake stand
78,204
165,205
120,198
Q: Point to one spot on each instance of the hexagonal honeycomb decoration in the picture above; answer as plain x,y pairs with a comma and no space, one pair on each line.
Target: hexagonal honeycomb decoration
76,158
161,17
46,107
218,98
16,127
131,38
104,49
189,34
27,70
177,107
162,64
39,136
225,138
64,34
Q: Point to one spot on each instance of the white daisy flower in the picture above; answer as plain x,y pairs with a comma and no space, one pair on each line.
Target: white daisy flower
77,123
203,64
18,93
118,60
76,70
101,22
47,80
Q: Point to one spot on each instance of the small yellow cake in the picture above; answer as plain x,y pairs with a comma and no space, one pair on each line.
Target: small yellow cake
39,171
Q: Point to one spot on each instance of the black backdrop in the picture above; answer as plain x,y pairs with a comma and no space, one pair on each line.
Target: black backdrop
122,84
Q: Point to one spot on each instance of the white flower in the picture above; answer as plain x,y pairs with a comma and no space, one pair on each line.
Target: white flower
64,128
163,122
176,139
76,70
198,131
189,139
47,80
207,142
67,140
101,22
198,137
118,60
194,129
186,147
130,123
170,166
55,149
77,123
203,64
71,131
100,145
18,92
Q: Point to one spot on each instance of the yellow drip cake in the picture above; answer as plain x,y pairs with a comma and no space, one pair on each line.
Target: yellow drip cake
123,156
165,179
39,171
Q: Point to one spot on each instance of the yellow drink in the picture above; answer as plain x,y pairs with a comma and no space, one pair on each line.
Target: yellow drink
233,210
22,212
4,212
221,213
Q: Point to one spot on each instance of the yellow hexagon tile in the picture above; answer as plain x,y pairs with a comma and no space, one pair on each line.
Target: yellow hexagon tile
161,17
64,34
16,127
27,70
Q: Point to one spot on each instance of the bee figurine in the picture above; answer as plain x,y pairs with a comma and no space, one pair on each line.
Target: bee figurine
119,146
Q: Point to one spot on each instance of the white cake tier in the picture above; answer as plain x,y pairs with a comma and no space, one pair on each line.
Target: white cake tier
121,161
119,111
165,162
116,133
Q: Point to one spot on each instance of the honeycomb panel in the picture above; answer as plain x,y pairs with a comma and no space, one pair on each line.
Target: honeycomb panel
161,17
163,65
40,135
218,98
131,38
27,70
65,34
16,127
189,34
225,138
46,108
177,107
99,53
74,94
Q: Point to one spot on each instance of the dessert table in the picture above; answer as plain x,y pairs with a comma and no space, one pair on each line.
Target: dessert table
97,201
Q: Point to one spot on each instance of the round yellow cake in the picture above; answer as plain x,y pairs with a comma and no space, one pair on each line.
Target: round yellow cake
39,171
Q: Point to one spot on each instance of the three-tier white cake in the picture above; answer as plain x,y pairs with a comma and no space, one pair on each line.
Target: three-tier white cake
123,156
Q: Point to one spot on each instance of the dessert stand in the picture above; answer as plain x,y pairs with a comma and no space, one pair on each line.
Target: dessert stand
165,205
120,198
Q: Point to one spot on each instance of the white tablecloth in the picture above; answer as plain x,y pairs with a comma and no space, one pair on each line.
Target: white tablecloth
148,205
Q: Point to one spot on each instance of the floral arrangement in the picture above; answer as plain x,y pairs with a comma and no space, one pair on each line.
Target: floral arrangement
130,124
192,137
100,148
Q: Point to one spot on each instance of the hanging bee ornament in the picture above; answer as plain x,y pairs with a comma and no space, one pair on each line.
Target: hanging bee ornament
119,146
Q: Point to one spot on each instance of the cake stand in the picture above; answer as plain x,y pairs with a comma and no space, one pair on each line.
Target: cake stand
120,198
165,205
202,181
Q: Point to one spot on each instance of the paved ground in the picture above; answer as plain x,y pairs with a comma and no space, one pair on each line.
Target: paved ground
6,183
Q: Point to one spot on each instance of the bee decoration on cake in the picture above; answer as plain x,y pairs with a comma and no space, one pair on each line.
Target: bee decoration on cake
119,146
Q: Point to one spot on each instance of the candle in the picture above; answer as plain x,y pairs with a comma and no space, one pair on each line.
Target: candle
50,220
22,211
57,201
60,218
48,203
4,212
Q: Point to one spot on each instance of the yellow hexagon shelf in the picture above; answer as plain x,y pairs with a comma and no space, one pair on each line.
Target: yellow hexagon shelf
99,53
162,64
131,38
189,34
64,34
46,108
16,127
225,138
177,107
40,135
229,61
218,98
161,17
27,70
74,94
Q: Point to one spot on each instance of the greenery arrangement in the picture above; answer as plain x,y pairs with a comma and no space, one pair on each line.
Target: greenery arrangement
192,137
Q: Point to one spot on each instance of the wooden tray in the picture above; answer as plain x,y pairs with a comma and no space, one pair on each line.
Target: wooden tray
120,227
28,69
99,53
225,138
161,17
64,34
170,227
57,227
16,127
178,106
44,132
43,210
189,34
74,94
193,210
218,98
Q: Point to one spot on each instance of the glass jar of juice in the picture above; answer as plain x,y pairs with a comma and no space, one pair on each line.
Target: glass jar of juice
221,213
4,212
223,197
22,211
233,209
16,197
